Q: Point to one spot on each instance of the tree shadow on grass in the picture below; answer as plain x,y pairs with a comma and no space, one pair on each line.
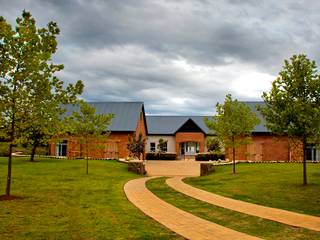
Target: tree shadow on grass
10,198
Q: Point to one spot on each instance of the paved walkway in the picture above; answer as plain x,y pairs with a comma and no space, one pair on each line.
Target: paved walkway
181,222
172,168
274,214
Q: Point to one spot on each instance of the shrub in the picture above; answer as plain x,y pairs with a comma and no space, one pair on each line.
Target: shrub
161,156
4,150
209,156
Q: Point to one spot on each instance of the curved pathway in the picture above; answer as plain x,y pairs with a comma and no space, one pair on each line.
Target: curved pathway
274,214
181,222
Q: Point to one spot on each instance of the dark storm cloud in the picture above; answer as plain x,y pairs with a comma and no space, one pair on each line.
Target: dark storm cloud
179,57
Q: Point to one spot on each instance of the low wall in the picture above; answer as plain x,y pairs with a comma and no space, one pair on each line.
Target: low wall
206,168
137,167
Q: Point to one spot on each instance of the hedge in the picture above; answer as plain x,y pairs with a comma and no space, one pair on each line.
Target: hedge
161,156
209,156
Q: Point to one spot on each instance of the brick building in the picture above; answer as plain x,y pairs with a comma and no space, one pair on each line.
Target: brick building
265,146
185,136
129,119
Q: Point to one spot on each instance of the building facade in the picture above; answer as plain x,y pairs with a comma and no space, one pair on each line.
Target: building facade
129,120
184,135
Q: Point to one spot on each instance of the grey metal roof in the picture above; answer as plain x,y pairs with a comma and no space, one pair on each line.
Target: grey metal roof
168,125
126,114
260,128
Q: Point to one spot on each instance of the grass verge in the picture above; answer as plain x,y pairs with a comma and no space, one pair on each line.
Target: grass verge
275,185
240,222
59,201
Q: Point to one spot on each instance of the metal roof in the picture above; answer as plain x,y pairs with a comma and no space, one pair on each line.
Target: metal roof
168,125
260,128
126,114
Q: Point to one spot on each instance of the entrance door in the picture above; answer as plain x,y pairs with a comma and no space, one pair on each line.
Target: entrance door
61,148
189,148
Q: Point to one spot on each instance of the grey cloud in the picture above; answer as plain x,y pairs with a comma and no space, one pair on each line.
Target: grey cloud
126,50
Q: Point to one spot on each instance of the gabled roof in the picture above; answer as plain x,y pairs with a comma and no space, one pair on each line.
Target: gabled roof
126,114
169,125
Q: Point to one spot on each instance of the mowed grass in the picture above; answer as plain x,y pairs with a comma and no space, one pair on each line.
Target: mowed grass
61,202
251,225
275,185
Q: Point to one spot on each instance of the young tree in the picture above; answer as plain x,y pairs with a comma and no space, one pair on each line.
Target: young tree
213,145
25,61
162,145
87,126
293,103
136,145
233,124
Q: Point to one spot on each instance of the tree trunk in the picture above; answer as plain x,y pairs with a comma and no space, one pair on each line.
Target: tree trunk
304,161
33,151
8,187
233,156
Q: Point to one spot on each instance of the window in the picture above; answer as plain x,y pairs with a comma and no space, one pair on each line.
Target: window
61,148
152,147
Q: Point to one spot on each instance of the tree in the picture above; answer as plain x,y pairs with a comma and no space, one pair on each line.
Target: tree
45,111
162,145
136,145
88,126
25,61
292,106
213,145
233,124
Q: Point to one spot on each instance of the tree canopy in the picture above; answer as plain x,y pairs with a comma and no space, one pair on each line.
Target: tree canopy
293,103
87,125
31,95
233,124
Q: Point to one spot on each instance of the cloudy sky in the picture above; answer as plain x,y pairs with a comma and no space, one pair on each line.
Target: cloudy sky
180,57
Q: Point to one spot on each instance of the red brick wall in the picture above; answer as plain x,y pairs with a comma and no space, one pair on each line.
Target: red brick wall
115,142
190,137
141,126
268,148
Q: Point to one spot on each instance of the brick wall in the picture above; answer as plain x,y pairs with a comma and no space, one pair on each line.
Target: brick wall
190,137
114,145
268,148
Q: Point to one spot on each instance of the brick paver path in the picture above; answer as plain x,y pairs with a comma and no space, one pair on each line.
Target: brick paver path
172,168
181,222
274,214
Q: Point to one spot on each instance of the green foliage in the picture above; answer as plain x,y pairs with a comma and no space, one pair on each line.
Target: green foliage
293,104
213,145
161,156
31,95
86,125
233,124
162,145
136,145
4,149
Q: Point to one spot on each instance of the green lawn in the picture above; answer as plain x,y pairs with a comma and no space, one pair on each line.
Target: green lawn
251,225
275,185
62,202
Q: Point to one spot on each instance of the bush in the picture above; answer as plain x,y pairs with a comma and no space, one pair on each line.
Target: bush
161,156
209,156
4,149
